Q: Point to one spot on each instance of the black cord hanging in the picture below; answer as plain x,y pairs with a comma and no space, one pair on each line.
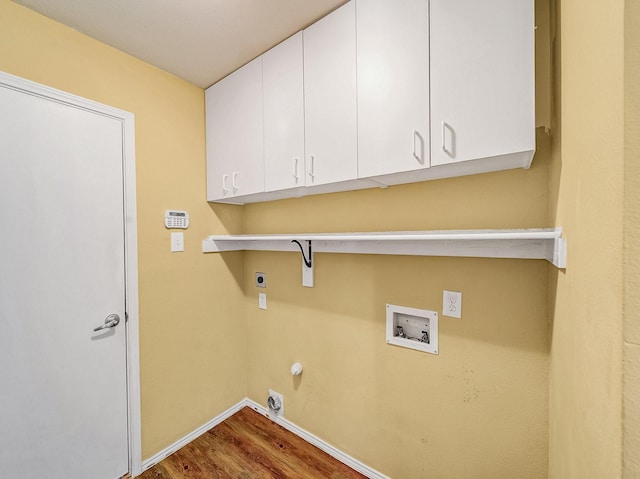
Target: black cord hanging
304,258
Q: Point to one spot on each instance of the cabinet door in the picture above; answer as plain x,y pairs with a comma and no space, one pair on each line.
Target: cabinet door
330,98
284,115
482,79
393,86
235,162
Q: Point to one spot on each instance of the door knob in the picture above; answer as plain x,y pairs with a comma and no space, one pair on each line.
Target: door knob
110,321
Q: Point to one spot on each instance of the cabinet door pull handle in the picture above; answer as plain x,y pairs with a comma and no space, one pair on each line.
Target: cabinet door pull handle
225,190
418,147
295,169
448,151
312,173
234,183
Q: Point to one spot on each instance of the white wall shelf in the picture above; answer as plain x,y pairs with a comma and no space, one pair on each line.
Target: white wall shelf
541,243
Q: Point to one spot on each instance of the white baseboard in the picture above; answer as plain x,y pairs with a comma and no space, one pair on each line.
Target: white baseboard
298,431
319,443
152,461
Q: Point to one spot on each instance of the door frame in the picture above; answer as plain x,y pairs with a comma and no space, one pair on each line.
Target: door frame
131,244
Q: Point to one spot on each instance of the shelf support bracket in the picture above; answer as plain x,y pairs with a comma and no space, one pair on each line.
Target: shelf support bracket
559,253
307,264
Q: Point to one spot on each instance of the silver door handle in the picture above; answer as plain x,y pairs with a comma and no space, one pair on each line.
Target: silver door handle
110,321
234,184
312,173
418,151
448,151
295,169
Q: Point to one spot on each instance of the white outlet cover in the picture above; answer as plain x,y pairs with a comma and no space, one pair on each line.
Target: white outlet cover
177,242
452,304
262,300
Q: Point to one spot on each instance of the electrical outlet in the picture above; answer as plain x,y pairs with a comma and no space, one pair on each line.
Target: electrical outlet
262,300
261,280
452,304
177,242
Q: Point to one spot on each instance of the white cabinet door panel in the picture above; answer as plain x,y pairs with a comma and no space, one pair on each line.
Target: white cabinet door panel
235,163
393,86
330,98
482,92
284,115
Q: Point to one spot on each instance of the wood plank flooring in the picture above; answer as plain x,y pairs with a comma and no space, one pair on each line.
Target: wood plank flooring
250,446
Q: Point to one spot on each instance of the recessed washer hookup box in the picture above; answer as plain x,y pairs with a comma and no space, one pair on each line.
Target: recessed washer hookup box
412,328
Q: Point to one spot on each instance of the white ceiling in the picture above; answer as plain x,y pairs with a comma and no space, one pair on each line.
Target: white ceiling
200,41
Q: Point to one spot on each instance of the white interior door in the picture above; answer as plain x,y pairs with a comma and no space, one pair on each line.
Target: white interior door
63,393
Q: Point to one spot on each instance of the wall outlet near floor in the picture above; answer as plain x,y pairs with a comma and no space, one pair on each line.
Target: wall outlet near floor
275,404
452,304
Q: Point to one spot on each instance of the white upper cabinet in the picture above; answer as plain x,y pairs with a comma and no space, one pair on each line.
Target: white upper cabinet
482,79
393,86
330,98
378,92
284,115
235,163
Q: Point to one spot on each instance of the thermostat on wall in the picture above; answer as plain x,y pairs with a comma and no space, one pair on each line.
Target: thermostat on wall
176,219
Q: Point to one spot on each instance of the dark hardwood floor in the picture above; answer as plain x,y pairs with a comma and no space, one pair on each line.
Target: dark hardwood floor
250,446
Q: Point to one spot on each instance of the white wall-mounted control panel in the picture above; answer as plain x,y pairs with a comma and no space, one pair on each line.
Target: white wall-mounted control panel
174,219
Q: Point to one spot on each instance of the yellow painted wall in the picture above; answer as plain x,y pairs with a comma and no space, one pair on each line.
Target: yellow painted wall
480,408
587,183
192,354
632,241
